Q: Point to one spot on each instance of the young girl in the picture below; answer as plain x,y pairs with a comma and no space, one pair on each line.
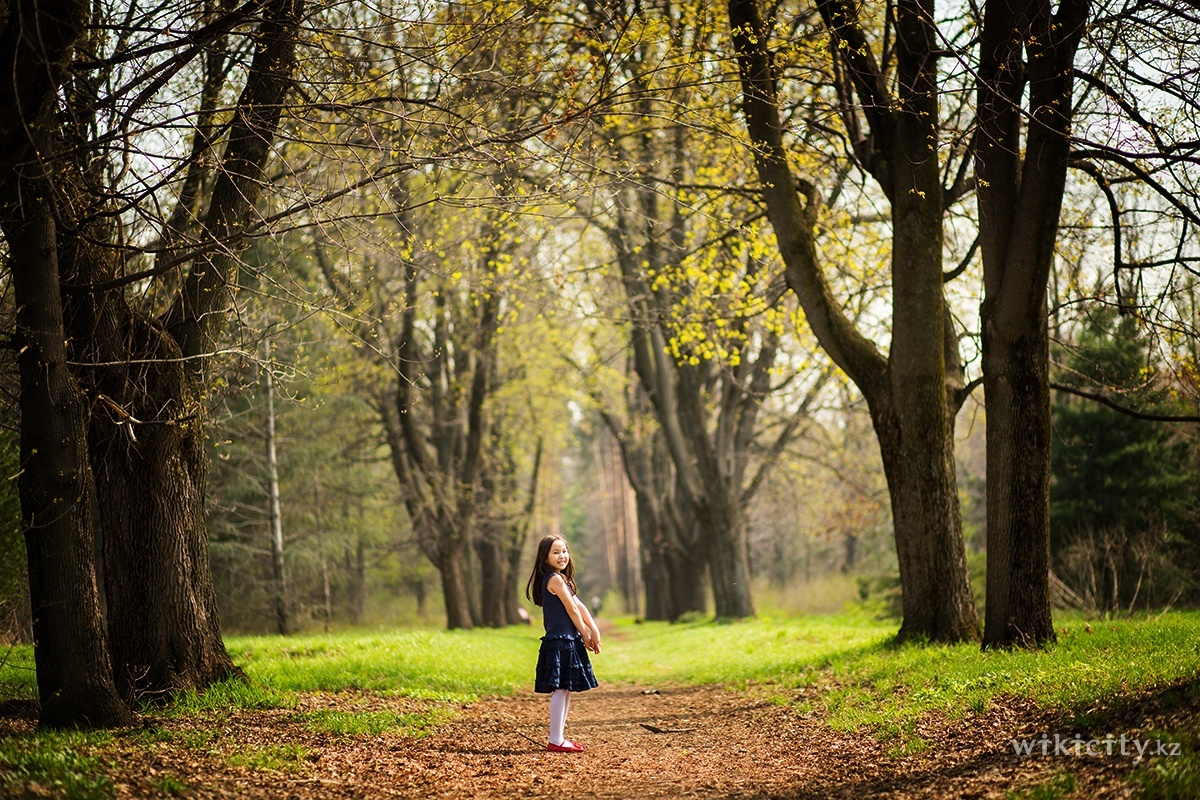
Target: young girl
563,665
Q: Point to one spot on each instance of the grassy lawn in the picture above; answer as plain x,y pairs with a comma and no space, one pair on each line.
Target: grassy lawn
841,665
848,656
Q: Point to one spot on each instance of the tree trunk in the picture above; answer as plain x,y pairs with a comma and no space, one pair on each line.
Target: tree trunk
453,566
655,575
275,514
724,530
935,592
686,570
150,377
1020,200
163,623
494,579
911,403
358,581
659,605
1016,385
74,673
512,588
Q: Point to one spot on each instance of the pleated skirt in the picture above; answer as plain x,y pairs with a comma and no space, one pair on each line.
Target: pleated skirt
563,663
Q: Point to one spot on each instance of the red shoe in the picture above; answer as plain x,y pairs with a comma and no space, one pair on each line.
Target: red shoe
566,747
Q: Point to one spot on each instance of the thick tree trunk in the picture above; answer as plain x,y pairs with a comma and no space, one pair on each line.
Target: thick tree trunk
74,673
453,566
656,576
933,571
163,624
908,392
1025,52
150,465
673,574
1016,385
936,596
659,605
494,580
673,563
685,567
147,441
724,529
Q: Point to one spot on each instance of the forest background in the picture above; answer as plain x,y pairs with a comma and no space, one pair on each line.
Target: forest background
359,300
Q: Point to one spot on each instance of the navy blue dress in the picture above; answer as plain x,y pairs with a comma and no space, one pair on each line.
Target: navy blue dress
563,661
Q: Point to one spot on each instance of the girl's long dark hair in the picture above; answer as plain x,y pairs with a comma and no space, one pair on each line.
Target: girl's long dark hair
533,589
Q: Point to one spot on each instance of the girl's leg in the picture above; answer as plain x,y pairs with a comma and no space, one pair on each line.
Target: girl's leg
566,713
559,699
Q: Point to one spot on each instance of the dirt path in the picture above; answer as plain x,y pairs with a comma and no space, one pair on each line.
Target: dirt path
723,744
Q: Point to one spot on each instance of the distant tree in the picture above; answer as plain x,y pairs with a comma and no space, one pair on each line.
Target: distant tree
1125,492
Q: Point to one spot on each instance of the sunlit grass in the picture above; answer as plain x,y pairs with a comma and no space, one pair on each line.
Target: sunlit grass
454,666
1091,662
273,757
18,680
231,694
1174,777
843,667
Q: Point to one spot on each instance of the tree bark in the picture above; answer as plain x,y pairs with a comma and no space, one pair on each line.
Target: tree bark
74,672
910,392
724,528
936,596
512,591
1017,388
453,566
163,624
1020,200
494,580
673,556
74,668
275,513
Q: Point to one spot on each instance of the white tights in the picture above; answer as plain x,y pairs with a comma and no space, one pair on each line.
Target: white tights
560,704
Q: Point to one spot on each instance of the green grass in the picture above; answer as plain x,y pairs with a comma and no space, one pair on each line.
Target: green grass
273,757
841,666
18,680
888,684
229,695
170,785
1061,785
58,764
454,666
1171,777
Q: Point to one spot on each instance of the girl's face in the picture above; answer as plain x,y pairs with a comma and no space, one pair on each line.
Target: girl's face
559,556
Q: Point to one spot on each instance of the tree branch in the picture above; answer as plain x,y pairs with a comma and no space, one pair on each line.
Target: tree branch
1103,400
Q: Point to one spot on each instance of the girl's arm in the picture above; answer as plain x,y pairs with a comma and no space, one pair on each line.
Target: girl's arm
558,587
591,621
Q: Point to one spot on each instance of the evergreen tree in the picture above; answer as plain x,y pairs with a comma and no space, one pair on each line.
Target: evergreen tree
1124,494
